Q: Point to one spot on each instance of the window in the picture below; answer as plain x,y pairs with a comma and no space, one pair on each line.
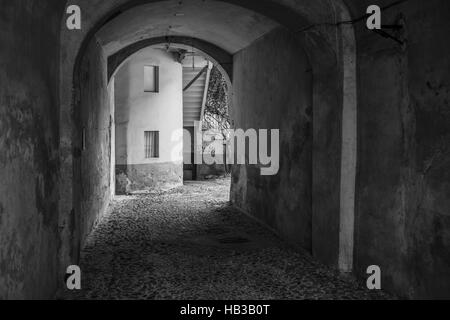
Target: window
151,79
151,144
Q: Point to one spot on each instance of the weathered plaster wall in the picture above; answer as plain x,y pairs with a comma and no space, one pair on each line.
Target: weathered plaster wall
112,105
93,156
29,164
403,222
138,111
273,90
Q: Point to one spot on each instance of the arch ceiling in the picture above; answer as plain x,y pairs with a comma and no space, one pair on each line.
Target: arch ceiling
225,25
240,22
222,59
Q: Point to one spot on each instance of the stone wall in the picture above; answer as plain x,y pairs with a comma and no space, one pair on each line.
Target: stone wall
402,220
29,143
272,90
403,203
148,177
93,151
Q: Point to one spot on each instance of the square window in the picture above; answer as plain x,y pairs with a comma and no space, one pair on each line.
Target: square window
151,79
151,144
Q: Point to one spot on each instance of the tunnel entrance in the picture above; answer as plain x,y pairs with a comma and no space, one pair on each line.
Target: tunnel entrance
362,183
281,79
166,97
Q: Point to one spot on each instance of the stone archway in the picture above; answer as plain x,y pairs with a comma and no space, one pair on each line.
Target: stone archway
222,59
332,54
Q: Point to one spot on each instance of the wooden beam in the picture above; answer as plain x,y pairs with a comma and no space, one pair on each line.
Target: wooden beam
196,78
205,93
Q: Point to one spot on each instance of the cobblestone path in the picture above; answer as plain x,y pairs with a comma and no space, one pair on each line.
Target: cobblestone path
190,244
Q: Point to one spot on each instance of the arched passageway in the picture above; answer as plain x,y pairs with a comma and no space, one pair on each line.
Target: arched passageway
311,98
363,177
315,90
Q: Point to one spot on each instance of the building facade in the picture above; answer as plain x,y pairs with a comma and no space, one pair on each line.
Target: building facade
149,122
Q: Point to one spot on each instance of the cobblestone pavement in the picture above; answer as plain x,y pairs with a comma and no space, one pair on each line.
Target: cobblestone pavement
190,244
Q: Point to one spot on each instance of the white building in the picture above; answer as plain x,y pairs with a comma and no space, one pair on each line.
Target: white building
149,122
156,97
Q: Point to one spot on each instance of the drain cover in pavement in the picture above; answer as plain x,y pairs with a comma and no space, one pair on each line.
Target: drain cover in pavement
233,240
217,231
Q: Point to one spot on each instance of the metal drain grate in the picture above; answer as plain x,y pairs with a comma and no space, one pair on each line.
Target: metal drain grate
233,240
216,231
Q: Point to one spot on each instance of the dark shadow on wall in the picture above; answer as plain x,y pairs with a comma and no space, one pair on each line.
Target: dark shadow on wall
273,90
